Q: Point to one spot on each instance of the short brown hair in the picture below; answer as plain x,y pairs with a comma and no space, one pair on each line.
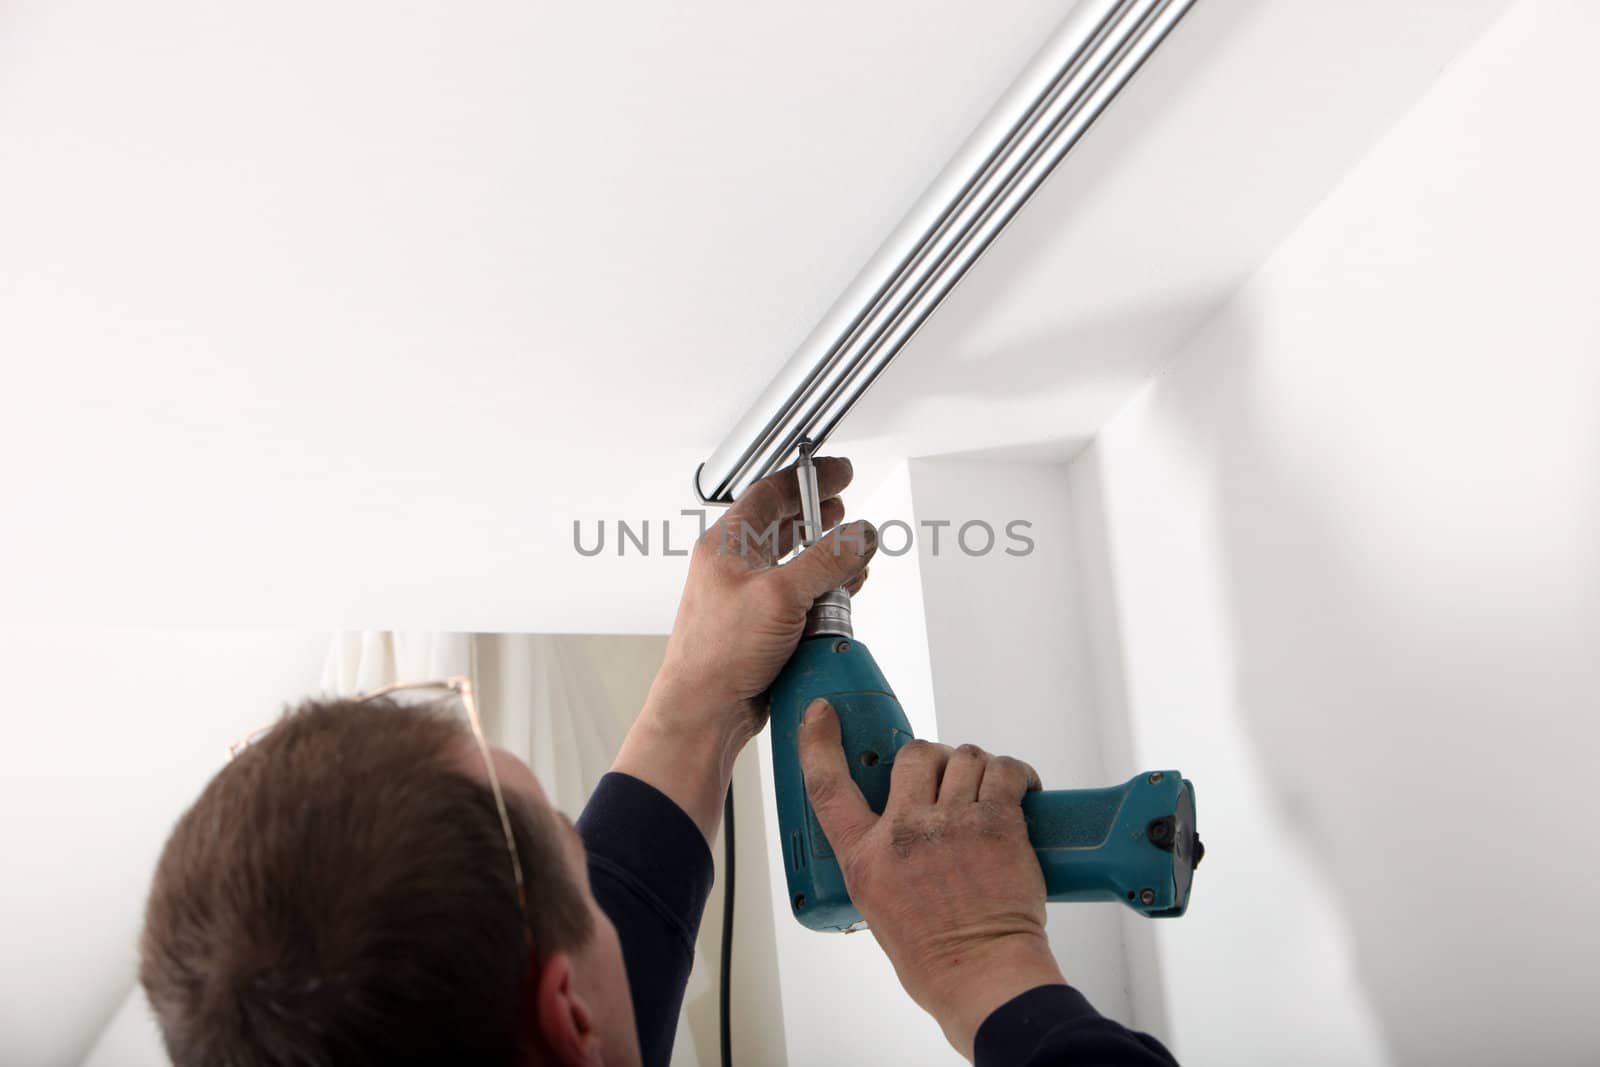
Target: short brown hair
341,893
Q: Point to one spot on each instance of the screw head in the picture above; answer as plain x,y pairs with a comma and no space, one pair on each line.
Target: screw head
1155,778
1147,896
841,646
799,901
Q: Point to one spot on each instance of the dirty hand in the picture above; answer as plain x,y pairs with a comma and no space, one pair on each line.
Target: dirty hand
742,611
945,877
741,616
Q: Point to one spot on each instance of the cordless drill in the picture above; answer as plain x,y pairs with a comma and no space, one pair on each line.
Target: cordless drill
1135,843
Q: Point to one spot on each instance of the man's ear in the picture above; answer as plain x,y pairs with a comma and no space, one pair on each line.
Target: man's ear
564,1020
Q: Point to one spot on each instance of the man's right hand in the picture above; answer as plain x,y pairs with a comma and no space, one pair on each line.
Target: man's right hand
945,877
741,616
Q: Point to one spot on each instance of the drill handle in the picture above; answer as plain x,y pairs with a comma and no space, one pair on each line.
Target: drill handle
1131,843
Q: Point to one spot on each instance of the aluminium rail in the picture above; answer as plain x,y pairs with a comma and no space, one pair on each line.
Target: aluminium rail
1033,126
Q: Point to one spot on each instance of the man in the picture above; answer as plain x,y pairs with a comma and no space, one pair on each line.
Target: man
349,890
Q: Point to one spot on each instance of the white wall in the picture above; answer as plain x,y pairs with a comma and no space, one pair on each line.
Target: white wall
110,734
1353,588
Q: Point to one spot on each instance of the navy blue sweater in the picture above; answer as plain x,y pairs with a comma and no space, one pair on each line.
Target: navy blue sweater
651,873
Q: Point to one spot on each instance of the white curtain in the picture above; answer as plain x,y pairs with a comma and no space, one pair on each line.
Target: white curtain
540,695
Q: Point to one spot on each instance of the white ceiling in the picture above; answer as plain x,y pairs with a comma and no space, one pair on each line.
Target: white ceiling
344,314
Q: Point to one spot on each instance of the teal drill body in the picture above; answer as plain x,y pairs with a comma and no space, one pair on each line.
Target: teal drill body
1134,843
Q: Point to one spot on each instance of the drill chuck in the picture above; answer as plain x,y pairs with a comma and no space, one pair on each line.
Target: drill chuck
830,616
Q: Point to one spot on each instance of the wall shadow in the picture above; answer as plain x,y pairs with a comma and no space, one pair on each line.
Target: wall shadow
1202,663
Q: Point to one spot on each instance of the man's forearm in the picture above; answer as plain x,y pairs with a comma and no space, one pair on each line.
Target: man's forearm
670,747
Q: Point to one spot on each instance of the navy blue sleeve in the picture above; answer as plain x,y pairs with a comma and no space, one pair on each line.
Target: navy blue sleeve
650,869
1054,1026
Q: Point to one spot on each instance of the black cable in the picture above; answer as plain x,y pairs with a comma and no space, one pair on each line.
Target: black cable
727,930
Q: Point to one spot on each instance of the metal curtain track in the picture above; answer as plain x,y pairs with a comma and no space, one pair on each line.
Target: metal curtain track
1050,106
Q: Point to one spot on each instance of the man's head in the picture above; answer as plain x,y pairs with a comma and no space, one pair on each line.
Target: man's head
342,892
